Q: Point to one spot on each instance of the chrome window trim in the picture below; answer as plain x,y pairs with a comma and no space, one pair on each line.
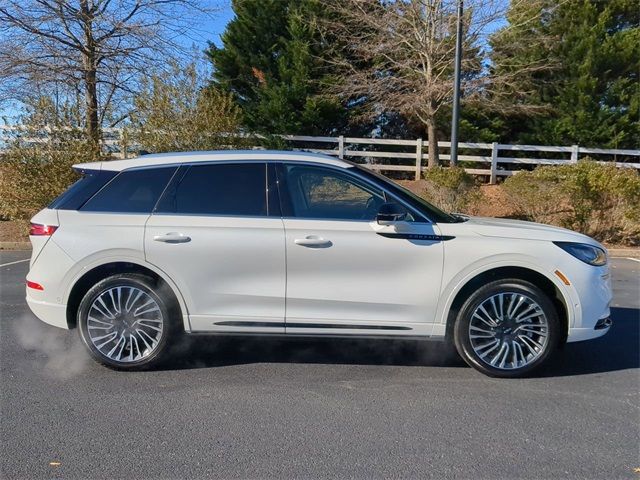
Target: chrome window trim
420,218
235,161
347,220
149,167
104,212
211,215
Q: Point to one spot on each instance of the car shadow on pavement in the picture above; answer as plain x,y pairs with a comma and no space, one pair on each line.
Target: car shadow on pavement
211,351
618,350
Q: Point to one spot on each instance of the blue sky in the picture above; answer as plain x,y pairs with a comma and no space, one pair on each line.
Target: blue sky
216,25
212,28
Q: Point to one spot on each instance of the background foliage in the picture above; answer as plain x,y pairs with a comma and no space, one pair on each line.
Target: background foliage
556,73
32,174
452,189
176,112
589,94
598,200
271,62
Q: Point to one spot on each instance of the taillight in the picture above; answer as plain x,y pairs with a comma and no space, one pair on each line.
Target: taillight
34,285
38,229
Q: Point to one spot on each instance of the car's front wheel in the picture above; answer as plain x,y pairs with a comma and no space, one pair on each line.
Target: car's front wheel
507,328
125,321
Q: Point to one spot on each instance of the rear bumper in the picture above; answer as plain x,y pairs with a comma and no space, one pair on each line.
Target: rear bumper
51,313
48,269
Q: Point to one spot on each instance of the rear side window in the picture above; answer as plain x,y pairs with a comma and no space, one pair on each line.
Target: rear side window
82,190
227,189
134,191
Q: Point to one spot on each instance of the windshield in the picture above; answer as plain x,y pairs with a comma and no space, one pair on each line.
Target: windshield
430,211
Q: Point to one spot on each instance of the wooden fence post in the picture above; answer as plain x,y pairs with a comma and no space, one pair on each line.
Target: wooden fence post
122,134
494,163
341,147
575,149
418,158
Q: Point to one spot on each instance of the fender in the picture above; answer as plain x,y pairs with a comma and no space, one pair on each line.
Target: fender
452,288
122,255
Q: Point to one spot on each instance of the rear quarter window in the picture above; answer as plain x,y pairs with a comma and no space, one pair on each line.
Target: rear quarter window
82,190
132,191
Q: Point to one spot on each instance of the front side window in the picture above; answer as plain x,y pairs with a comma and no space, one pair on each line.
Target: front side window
324,193
131,191
420,204
224,189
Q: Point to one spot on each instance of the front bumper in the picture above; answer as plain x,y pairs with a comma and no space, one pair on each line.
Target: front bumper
601,327
590,300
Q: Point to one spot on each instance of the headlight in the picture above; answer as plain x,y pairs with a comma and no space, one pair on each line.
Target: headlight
587,253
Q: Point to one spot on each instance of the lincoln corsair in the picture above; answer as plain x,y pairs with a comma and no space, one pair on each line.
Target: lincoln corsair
139,252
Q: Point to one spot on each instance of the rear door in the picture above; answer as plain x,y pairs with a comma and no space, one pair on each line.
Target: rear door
221,240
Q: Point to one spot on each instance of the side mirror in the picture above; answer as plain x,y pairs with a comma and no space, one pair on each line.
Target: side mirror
390,213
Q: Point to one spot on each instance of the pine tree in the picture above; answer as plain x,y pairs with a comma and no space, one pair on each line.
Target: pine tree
591,90
271,62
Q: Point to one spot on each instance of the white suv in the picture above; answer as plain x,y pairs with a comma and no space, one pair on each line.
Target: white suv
139,251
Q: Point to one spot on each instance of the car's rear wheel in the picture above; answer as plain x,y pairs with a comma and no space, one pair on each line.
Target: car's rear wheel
507,328
126,322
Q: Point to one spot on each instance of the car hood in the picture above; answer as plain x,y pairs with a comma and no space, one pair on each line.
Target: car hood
506,228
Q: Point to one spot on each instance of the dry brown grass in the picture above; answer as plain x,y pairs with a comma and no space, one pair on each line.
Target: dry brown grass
14,231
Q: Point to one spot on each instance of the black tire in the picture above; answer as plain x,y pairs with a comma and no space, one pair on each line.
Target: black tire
167,312
505,333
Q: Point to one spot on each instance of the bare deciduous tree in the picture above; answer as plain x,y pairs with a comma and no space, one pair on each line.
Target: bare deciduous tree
95,48
397,55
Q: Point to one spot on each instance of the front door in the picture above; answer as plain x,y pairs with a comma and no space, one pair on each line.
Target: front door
213,235
345,273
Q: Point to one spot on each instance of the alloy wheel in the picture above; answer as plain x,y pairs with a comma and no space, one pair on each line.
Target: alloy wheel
125,324
509,331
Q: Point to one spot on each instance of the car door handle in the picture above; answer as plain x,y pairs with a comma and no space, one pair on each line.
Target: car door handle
313,241
172,237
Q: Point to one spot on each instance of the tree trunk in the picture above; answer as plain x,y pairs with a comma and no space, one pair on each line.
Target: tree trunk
90,80
91,99
432,135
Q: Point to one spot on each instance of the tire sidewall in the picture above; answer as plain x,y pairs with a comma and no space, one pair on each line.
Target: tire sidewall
461,328
138,281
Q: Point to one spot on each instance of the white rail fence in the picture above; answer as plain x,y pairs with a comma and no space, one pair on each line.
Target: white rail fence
491,164
491,160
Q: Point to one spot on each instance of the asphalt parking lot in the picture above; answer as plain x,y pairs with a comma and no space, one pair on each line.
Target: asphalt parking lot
327,409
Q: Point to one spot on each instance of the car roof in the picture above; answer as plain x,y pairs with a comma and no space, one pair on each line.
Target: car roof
177,158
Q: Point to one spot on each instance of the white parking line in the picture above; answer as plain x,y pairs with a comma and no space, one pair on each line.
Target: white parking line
627,258
13,263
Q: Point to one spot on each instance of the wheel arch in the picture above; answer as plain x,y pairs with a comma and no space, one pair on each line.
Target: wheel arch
540,280
91,275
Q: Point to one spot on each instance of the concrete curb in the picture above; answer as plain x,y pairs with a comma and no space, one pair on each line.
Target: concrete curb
624,252
15,245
